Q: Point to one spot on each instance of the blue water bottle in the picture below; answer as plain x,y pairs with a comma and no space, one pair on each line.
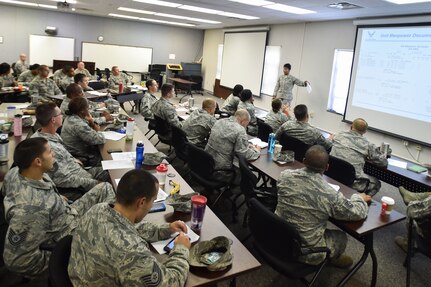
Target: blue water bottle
271,142
139,154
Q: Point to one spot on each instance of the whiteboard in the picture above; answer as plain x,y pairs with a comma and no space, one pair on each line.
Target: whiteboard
128,58
45,49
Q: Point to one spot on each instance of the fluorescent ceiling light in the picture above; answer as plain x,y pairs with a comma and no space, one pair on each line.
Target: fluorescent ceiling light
166,22
47,6
160,3
153,20
240,16
400,2
289,9
19,2
123,16
200,9
186,18
253,2
181,24
136,10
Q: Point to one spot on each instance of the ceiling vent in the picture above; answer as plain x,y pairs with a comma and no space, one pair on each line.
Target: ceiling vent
344,6
63,5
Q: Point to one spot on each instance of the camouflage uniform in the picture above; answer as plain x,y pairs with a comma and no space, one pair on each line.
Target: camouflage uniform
147,102
37,213
67,172
92,106
109,250
354,148
26,77
307,201
6,81
198,127
420,211
80,139
275,120
58,75
166,111
64,82
252,126
84,71
227,139
114,81
42,88
283,87
304,132
20,67
230,105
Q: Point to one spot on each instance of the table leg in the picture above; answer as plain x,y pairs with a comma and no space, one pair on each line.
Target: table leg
188,93
233,282
368,249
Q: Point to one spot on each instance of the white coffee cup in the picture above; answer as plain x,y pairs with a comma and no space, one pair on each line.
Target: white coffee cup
390,202
277,150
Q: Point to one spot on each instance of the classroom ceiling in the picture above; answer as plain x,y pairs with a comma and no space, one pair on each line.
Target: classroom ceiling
319,10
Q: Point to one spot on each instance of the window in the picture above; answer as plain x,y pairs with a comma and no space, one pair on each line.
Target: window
340,78
270,68
219,61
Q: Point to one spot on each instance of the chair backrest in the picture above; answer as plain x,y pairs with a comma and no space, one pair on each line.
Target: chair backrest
161,127
248,179
200,162
179,138
107,73
99,85
272,234
341,170
58,262
291,143
263,130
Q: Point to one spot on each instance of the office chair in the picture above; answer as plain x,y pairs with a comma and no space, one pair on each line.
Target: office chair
163,130
279,244
98,74
263,130
99,85
179,142
344,172
291,143
417,243
203,171
266,196
107,73
58,262
151,127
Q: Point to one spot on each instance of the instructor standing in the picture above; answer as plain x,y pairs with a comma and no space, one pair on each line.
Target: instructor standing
284,86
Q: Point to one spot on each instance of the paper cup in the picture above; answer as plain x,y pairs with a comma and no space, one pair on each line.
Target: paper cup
387,204
277,150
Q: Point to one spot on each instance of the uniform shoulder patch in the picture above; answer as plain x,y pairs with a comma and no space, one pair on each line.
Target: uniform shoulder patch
155,278
15,239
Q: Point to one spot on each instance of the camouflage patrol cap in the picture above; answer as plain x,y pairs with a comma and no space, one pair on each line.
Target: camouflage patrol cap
154,158
181,202
214,254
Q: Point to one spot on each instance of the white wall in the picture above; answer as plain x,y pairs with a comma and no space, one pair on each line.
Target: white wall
309,48
18,23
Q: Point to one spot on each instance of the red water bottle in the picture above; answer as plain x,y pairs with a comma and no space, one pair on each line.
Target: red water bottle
120,88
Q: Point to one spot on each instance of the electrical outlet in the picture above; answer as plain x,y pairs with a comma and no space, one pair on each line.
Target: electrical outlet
418,148
406,143
311,114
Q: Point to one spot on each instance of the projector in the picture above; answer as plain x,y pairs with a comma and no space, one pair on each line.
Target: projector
63,5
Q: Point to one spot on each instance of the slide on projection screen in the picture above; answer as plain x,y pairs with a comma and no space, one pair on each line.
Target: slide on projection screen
390,85
243,58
